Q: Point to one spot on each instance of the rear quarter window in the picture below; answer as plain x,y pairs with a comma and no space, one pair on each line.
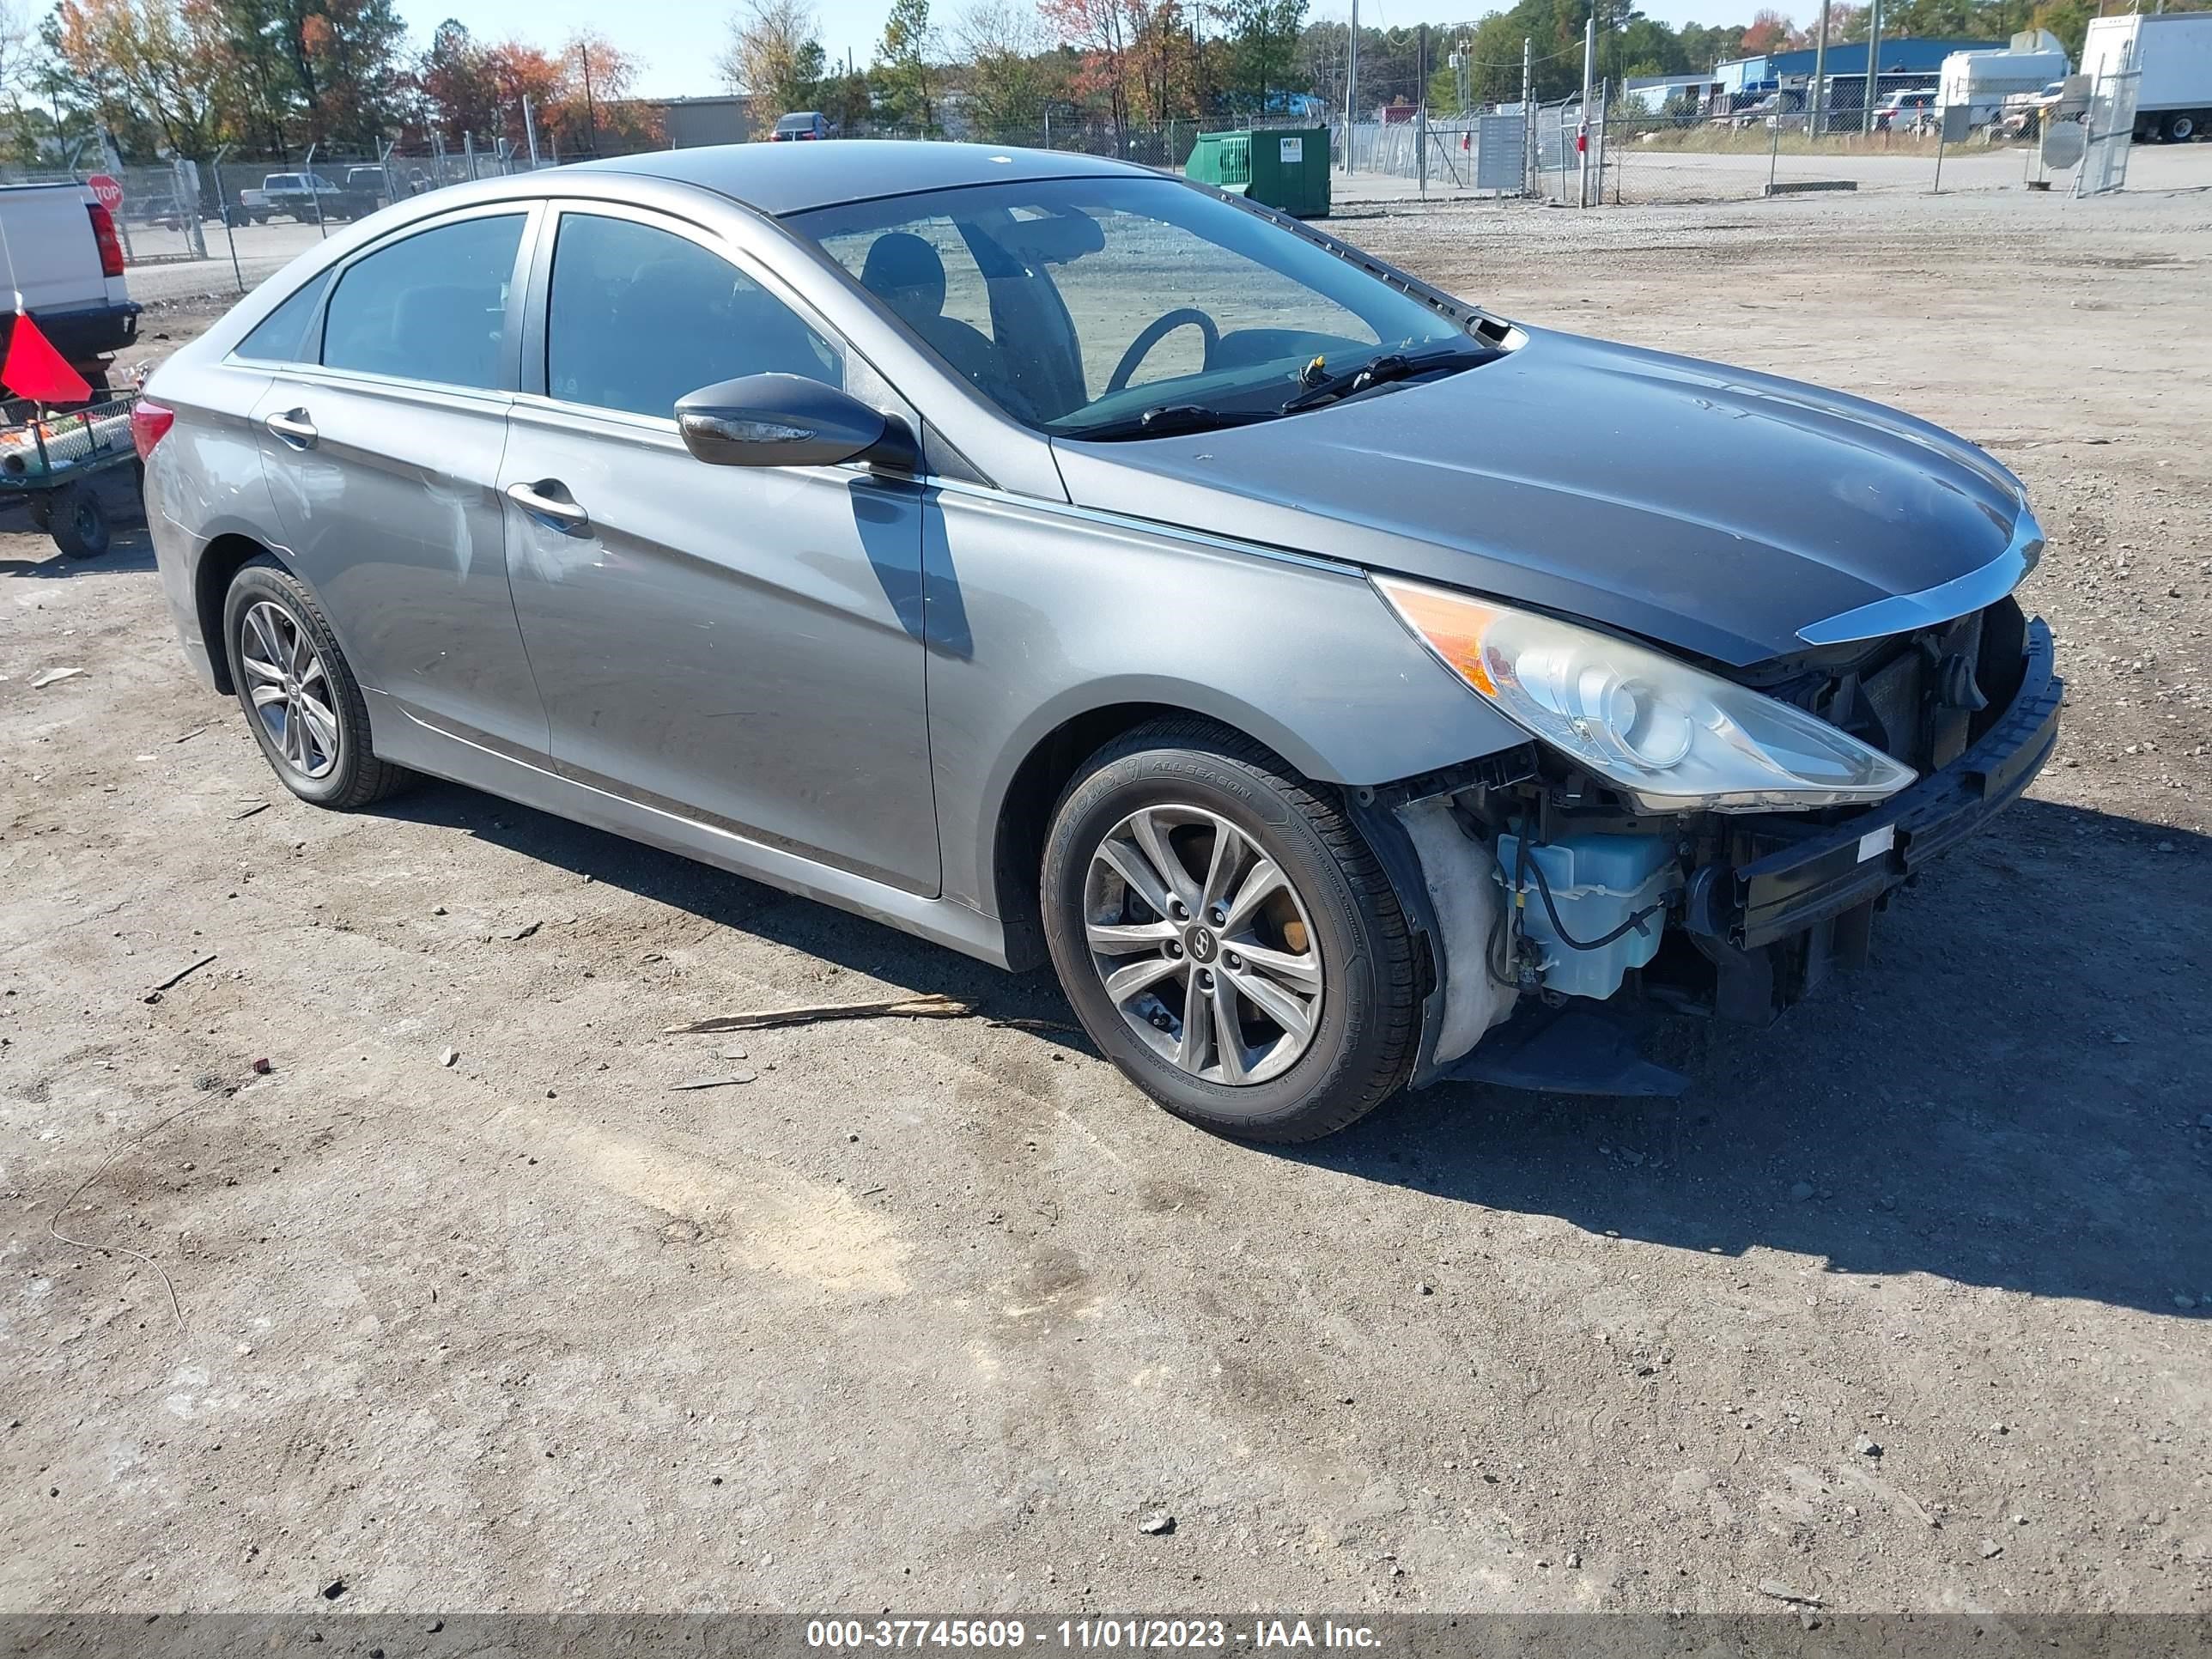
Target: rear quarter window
284,335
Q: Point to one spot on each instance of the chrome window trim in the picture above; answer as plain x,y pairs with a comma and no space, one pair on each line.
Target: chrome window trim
1944,602
530,211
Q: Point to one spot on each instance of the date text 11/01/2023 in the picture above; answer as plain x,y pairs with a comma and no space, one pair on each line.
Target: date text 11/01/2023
1090,1635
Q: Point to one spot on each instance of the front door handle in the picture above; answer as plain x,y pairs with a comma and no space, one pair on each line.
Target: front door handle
294,427
558,511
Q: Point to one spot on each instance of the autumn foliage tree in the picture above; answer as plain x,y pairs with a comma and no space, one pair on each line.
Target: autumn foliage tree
595,103
1099,33
183,76
349,66
1770,31
145,64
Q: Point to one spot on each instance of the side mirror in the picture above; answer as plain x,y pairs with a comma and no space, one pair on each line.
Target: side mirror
787,419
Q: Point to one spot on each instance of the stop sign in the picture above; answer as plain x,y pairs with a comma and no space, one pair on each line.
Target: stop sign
106,190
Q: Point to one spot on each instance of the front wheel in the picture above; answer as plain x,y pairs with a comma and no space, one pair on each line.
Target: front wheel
1227,938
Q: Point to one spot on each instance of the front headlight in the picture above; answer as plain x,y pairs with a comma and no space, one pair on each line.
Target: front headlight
1673,736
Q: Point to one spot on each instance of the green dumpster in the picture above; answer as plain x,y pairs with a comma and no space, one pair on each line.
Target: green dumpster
1282,168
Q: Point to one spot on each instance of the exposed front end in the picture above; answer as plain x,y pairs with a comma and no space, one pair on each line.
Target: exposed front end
1606,892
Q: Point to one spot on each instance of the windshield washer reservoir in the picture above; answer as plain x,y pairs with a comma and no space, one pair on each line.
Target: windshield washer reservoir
1597,883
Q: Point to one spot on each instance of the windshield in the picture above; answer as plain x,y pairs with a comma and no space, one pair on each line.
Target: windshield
1078,304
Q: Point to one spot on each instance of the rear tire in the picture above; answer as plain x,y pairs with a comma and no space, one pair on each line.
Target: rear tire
2181,127
1326,949
300,698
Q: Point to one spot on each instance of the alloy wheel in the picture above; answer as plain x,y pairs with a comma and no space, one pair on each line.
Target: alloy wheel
1203,945
290,690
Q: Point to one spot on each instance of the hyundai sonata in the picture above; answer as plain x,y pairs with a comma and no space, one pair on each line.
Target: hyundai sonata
1341,686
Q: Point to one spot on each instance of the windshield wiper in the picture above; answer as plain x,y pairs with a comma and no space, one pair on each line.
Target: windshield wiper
1381,371
1165,420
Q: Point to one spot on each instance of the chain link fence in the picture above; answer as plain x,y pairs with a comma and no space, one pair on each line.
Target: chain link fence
185,211
1486,153
237,218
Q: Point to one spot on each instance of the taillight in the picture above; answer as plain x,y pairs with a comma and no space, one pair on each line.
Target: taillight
103,232
149,424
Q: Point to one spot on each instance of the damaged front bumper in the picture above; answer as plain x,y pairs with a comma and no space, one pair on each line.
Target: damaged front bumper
1764,908
1775,924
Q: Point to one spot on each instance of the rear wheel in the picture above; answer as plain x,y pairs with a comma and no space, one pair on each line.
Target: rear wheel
300,697
2181,126
1227,938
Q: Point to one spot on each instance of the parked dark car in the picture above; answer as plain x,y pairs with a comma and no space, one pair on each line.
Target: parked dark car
370,186
1066,562
801,124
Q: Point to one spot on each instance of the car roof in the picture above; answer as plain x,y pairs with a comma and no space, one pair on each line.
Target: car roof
780,179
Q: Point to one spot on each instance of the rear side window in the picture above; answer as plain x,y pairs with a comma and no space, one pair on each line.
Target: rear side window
284,337
431,307
639,317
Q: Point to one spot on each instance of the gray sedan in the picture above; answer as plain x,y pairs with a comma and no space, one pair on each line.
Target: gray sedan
1341,686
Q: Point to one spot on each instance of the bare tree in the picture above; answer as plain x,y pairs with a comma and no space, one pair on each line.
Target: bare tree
1003,41
12,36
775,55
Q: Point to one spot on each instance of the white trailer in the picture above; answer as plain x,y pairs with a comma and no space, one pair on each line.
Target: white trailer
2174,52
1980,81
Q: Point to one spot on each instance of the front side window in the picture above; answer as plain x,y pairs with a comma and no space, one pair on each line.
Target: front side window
430,307
1075,303
640,316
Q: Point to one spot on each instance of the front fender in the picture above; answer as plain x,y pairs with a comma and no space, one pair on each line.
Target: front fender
1040,616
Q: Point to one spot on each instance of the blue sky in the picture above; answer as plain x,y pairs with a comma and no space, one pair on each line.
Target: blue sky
677,41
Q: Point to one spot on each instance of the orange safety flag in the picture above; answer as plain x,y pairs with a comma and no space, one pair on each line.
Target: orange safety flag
33,368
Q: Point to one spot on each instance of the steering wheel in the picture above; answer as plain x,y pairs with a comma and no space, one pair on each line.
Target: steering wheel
1157,331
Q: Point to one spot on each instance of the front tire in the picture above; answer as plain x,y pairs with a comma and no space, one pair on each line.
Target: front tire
300,696
1227,938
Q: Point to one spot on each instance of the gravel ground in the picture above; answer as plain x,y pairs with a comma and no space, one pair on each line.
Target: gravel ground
1906,1305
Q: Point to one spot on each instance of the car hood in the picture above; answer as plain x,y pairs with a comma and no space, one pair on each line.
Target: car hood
1709,508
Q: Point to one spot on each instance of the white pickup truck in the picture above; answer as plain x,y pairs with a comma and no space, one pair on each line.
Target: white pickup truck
63,258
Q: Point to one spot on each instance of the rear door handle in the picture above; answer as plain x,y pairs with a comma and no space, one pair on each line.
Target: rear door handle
558,511
294,427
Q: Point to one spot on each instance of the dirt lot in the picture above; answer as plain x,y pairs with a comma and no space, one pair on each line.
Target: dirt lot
934,1315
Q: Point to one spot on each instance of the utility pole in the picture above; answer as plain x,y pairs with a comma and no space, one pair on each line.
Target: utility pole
1874,58
1351,83
591,120
1582,129
1421,111
1529,155
1819,71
